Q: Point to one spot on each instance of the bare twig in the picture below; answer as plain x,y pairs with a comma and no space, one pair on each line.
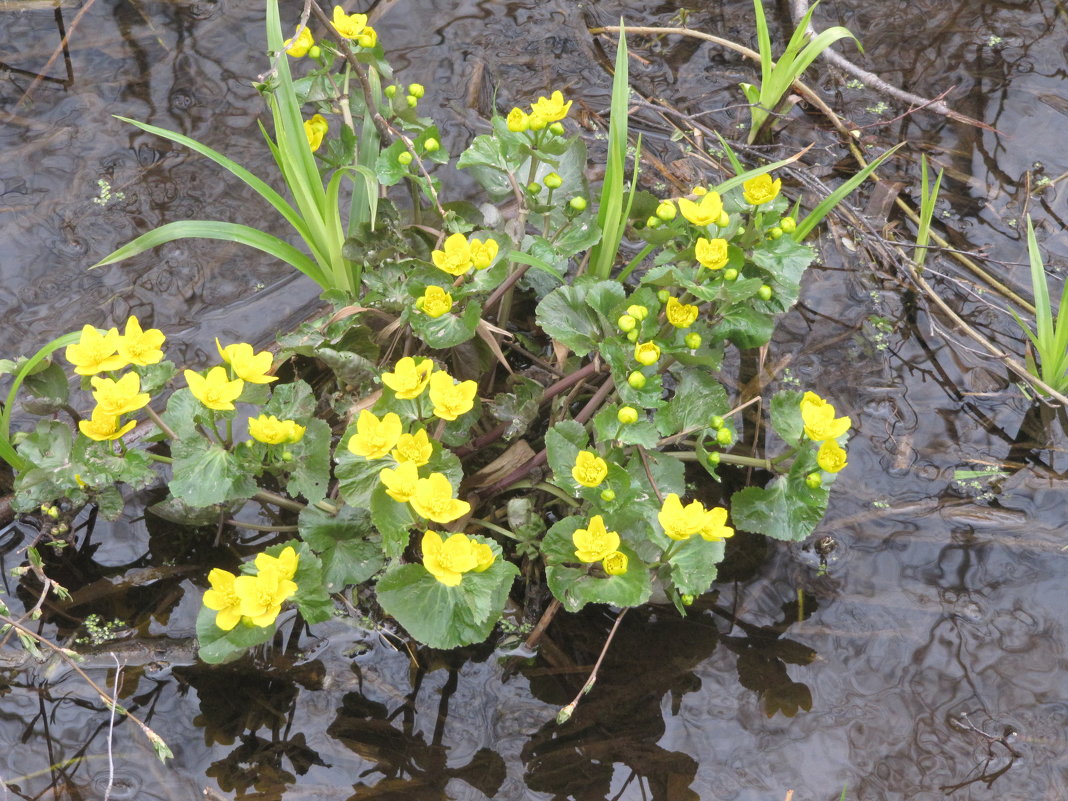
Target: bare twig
543,623
565,714
111,729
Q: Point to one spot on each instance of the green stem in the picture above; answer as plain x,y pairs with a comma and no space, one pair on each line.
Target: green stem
155,457
552,489
645,251
726,458
494,527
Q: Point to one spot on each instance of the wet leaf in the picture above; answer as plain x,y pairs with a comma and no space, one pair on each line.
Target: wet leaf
205,473
572,583
345,542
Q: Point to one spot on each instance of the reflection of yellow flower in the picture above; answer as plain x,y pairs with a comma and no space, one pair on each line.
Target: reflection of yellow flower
409,378
455,258
299,47
374,438
349,25
711,253
646,353
315,129
95,352
400,482
761,189
680,315
517,120
590,469
222,598
448,560
433,499
138,347
551,108
262,595
269,430
594,543
831,456
483,253
103,426
246,364
704,212
713,527
678,522
615,563
119,397
818,417
216,390
434,302
415,448
285,564
451,400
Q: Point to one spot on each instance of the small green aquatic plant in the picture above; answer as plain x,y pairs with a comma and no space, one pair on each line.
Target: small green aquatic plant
928,199
776,77
1050,335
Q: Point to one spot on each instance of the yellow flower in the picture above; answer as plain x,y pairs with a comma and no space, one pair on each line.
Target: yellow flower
455,259
451,400
400,482
95,352
713,527
433,499
594,543
409,379
615,563
535,121
646,353
448,560
262,596
368,37
349,25
216,390
374,438
247,365
590,469
315,129
103,426
820,422
483,253
269,430
711,253
761,189
681,523
285,564
517,120
434,302
551,108
415,448
119,397
704,212
831,456
223,598
680,315
140,347
300,46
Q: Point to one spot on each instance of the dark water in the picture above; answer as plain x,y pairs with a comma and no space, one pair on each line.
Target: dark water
928,660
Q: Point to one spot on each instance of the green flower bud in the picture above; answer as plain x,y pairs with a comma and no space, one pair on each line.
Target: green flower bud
608,495
553,180
534,187
814,481
663,295
390,90
666,211
627,415
51,511
578,203
632,336
713,458
412,100
693,340
730,274
287,456
788,224
315,51
765,292
724,219
775,233
716,422
404,157
416,90
724,437
432,145
687,599
557,128
637,312
626,323
636,379
652,222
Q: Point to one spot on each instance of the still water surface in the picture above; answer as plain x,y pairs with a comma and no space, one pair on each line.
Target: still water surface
929,659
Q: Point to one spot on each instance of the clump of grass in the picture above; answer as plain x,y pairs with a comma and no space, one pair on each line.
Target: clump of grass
1050,337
